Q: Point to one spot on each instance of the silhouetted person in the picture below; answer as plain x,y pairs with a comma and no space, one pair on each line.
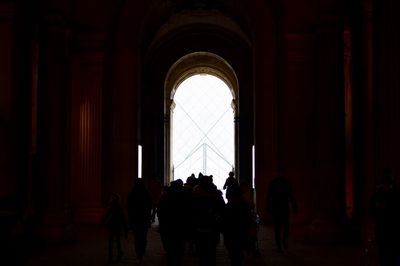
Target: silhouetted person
385,210
188,187
115,222
279,202
251,241
235,226
191,181
139,207
155,187
208,206
173,222
230,184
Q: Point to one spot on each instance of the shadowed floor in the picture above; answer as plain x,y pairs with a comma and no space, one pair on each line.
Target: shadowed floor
94,252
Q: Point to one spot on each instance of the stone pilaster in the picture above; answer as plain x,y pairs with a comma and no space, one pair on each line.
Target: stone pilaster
86,128
266,85
297,125
51,182
328,133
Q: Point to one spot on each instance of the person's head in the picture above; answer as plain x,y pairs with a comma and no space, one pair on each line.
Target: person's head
191,181
200,176
231,174
206,182
176,184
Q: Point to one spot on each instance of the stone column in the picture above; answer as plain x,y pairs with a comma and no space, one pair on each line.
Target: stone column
297,126
328,133
266,72
348,109
123,75
15,29
86,128
168,140
51,184
364,108
387,86
381,20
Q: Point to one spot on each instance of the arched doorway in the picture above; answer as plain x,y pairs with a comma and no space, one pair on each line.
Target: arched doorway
202,129
194,138
175,54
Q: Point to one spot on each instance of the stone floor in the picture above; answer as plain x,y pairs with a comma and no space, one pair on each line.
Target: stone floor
93,251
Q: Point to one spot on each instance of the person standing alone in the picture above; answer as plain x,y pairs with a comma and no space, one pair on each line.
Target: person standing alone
231,184
280,201
115,222
139,206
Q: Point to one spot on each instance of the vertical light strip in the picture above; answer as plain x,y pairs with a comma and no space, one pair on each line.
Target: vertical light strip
139,161
253,165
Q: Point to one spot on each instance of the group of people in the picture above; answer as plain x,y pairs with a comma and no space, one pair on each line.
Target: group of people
139,208
194,214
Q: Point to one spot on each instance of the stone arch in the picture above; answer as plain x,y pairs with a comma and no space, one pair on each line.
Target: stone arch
139,57
199,63
199,18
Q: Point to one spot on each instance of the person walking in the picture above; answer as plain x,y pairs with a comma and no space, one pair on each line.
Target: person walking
230,185
280,201
235,224
208,206
173,222
139,205
115,222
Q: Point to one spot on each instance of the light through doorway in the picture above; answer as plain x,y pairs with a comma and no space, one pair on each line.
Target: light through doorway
203,129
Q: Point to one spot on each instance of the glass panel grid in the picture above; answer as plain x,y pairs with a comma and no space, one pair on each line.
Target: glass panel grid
203,129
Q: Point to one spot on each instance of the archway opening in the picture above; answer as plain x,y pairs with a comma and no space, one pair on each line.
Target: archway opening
202,129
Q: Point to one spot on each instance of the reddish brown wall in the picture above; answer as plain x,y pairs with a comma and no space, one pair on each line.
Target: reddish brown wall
291,101
8,158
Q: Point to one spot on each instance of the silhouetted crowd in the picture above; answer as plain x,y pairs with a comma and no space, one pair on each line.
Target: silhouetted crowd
194,215
191,215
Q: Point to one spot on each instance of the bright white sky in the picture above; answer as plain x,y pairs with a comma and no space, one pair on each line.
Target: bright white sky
203,129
